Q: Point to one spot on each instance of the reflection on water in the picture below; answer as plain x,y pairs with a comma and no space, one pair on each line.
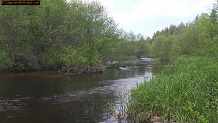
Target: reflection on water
49,97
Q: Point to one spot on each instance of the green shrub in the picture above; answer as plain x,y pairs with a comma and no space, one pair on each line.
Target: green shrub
51,59
5,61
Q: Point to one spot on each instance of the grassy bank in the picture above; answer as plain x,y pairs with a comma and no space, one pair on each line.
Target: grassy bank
186,91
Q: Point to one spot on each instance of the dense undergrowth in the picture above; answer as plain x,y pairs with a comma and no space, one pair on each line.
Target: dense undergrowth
186,91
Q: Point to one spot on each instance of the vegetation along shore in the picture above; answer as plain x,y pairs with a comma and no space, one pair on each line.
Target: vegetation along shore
186,90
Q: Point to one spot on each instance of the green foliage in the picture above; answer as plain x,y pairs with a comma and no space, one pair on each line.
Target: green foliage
185,91
43,33
72,57
161,47
50,59
196,38
5,61
59,33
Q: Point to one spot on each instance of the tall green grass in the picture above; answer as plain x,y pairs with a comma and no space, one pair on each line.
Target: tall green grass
186,91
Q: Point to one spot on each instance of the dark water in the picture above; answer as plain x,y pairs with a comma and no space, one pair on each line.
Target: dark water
49,97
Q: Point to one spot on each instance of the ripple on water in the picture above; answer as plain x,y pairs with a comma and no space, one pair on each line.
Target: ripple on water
15,104
106,87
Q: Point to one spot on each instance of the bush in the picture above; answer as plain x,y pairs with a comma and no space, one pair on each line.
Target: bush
5,61
51,59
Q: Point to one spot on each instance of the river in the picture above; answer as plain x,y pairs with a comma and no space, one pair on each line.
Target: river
50,97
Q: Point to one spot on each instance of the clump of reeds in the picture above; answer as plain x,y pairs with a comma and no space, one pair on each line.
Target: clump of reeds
119,109
186,91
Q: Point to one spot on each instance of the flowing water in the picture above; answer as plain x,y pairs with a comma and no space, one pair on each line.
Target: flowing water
50,97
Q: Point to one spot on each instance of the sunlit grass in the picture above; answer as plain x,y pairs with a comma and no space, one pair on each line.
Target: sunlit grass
186,91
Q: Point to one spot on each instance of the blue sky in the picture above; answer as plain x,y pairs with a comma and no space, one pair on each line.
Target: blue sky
148,16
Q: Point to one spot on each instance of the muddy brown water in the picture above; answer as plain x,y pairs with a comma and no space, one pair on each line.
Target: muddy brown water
50,97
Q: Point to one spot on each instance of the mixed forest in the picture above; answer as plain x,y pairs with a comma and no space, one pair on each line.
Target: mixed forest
57,34
80,35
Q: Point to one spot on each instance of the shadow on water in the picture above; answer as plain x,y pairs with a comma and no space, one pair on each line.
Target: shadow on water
49,97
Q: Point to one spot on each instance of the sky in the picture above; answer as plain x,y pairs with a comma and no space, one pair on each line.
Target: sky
149,16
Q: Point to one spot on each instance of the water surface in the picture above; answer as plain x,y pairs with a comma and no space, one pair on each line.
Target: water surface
50,97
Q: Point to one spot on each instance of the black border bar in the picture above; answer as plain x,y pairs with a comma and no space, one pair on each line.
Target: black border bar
4,2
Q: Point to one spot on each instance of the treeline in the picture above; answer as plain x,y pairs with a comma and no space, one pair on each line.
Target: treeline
199,37
57,34
81,36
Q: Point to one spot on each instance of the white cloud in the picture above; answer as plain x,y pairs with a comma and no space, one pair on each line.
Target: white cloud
148,9
129,13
